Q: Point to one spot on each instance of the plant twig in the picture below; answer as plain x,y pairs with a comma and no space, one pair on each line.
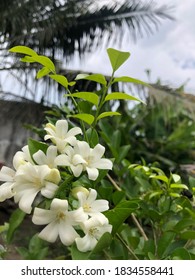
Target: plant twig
132,215
127,247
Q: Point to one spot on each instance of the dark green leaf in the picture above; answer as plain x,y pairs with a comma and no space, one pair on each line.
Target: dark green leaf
190,234
181,254
77,255
103,243
35,146
15,220
164,242
92,137
120,213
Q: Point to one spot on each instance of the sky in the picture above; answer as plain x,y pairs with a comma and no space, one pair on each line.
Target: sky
169,53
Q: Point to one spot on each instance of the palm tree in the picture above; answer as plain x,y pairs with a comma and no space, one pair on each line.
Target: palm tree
62,27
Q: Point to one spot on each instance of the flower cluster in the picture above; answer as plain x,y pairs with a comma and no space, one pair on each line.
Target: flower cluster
76,216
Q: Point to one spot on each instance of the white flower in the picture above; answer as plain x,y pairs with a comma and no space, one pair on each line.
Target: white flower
93,228
22,157
90,205
59,222
29,181
7,175
82,157
60,135
49,158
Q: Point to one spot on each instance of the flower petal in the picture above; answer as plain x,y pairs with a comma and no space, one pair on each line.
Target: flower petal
49,189
97,152
87,243
61,128
7,174
6,191
40,157
26,200
50,232
77,170
62,160
43,216
103,163
67,234
92,173
100,205
59,204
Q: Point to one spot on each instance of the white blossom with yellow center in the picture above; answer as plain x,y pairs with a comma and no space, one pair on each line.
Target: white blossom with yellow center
60,222
60,135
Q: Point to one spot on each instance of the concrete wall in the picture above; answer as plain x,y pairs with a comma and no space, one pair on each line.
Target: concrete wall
13,135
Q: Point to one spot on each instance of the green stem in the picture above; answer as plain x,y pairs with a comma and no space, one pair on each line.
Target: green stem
101,103
82,123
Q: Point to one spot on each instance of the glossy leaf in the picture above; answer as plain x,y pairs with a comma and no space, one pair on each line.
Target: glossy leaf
181,254
88,96
108,114
189,234
88,118
23,50
117,58
126,79
98,78
77,255
121,95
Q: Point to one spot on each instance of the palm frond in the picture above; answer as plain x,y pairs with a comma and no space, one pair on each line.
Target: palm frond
47,25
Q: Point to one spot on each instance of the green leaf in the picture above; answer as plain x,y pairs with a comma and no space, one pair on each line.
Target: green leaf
123,151
42,72
45,61
88,96
34,146
183,224
103,243
93,137
88,118
121,95
14,222
120,213
77,255
181,254
164,242
60,79
23,50
160,177
108,114
178,186
98,78
190,234
117,58
126,79
28,59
